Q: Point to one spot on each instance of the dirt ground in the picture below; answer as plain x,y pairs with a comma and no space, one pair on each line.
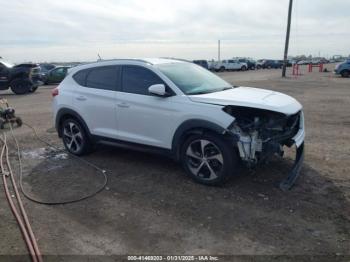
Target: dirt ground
150,207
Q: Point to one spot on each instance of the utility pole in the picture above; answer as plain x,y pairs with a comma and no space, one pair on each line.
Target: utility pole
287,38
219,50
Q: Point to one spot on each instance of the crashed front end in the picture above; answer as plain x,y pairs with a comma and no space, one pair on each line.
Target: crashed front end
260,134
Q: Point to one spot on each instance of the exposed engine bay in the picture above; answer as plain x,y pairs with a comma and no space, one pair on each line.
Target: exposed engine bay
262,133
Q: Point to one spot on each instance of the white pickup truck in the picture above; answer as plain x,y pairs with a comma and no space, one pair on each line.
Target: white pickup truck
230,64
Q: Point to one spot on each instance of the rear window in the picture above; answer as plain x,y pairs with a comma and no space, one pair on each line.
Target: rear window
80,77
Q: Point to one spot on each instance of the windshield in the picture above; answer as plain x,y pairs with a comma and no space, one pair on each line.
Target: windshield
7,64
193,79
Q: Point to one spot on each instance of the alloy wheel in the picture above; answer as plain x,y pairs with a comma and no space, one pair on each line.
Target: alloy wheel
204,159
73,137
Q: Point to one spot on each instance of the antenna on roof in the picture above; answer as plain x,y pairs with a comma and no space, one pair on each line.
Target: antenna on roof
99,57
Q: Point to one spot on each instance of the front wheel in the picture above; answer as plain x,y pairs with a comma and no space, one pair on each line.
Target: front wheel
75,138
21,86
243,68
345,73
209,159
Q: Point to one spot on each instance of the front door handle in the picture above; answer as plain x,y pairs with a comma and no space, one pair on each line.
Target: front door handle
123,104
81,98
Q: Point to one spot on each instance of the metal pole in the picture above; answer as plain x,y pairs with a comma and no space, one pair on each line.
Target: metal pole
219,50
287,38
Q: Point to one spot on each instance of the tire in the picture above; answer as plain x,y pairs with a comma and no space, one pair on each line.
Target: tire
269,67
74,137
258,67
243,68
222,69
215,170
345,73
21,86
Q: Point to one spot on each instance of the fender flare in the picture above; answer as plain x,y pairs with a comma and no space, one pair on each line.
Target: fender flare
65,112
194,126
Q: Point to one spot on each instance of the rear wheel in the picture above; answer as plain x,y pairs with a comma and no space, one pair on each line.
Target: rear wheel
222,69
21,86
208,159
345,73
75,138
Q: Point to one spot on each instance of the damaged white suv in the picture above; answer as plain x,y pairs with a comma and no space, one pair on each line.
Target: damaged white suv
177,108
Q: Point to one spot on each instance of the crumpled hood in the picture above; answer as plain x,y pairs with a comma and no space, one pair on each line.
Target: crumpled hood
251,97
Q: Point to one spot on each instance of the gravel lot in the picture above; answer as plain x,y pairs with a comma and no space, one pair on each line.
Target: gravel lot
151,207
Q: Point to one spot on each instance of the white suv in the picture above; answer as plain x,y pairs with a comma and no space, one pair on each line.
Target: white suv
180,109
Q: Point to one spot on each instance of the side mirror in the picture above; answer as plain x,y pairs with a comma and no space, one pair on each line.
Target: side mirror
158,90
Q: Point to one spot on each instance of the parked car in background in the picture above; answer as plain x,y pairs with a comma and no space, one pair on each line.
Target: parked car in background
55,75
202,63
343,69
251,64
268,64
230,65
21,78
46,67
317,61
304,62
179,109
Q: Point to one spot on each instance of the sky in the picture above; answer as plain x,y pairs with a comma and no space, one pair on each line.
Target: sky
79,30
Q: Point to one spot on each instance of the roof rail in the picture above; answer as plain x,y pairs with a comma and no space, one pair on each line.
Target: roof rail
124,59
178,59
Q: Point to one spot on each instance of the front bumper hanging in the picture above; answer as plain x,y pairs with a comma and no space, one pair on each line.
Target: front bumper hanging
288,183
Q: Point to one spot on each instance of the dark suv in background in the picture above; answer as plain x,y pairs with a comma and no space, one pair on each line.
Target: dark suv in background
22,78
250,63
202,63
268,64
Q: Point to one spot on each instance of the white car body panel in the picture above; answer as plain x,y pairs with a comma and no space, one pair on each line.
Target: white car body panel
252,97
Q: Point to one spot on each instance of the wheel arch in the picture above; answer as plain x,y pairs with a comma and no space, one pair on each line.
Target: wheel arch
65,113
190,127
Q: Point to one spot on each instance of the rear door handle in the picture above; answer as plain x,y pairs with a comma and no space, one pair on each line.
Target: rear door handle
81,98
123,104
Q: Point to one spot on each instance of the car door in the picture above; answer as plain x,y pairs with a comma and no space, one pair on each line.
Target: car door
141,117
95,99
236,65
56,75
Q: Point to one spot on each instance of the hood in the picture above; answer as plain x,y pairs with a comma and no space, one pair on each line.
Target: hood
251,97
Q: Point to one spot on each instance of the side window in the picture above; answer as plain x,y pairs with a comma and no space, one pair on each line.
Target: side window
231,61
2,67
80,77
137,80
58,71
103,78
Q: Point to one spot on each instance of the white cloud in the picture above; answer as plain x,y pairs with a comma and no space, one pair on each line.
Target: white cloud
43,30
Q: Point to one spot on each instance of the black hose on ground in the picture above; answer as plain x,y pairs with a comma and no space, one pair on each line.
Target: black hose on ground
31,198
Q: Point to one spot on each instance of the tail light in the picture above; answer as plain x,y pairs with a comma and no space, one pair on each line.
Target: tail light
54,92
